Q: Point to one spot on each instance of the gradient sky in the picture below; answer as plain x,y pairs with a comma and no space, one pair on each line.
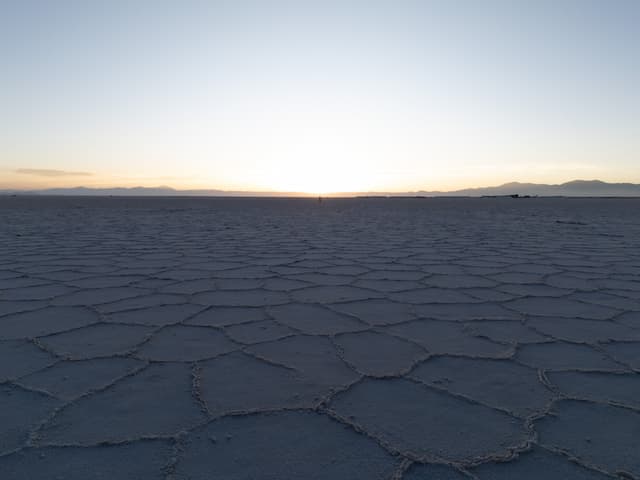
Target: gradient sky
318,96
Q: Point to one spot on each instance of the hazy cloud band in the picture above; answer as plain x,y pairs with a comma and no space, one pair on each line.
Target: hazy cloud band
51,173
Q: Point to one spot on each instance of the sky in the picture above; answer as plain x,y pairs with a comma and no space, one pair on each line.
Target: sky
318,96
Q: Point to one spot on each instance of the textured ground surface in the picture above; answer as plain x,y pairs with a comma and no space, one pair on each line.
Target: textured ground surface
285,339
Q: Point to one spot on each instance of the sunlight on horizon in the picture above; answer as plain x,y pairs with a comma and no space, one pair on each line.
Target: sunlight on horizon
318,97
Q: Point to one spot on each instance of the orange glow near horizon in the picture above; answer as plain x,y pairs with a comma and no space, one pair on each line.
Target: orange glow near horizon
317,97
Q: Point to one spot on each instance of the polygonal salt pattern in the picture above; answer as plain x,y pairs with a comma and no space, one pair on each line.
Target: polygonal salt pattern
561,356
21,411
99,340
144,460
314,319
377,354
45,322
429,423
185,343
238,382
283,445
135,407
607,440
364,338
449,338
621,388
21,357
535,464
71,379
501,384
315,357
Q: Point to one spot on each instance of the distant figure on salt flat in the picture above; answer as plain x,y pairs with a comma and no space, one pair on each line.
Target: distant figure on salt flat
319,199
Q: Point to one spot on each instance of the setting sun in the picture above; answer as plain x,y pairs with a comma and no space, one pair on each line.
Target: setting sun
325,171
316,97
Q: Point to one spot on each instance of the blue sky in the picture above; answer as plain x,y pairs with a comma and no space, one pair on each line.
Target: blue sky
318,96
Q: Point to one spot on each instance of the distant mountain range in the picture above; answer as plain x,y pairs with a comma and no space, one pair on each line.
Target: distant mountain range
575,188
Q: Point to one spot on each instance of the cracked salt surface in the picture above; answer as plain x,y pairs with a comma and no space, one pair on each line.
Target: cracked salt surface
176,339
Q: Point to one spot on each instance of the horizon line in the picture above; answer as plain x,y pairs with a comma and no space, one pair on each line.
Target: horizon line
505,189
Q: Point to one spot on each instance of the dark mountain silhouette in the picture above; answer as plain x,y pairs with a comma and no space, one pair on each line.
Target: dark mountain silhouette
575,188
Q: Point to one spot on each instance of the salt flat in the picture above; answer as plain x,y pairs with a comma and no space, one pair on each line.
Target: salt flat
208,338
